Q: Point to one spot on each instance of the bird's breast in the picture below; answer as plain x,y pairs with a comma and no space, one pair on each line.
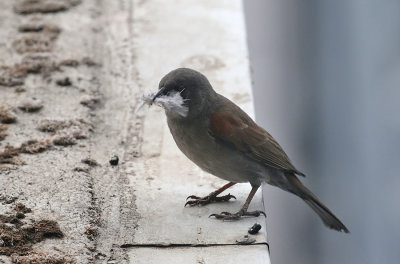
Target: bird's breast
214,157
193,141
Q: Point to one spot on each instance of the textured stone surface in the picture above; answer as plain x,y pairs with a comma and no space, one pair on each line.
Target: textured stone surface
89,79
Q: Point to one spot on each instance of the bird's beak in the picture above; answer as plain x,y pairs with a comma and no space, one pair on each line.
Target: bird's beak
160,92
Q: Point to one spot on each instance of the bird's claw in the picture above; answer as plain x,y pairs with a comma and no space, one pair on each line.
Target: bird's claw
193,197
207,199
229,216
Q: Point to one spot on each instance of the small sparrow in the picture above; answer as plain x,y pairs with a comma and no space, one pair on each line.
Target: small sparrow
223,140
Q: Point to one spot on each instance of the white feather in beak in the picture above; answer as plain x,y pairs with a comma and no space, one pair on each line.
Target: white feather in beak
173,103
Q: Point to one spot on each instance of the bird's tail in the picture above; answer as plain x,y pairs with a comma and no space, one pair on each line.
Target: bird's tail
329,219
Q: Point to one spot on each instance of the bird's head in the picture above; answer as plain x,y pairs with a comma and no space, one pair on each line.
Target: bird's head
184,93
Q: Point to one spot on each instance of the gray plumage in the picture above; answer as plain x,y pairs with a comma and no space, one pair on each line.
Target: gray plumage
223,140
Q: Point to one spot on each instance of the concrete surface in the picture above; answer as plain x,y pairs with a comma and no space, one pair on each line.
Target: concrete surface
94,60
210,255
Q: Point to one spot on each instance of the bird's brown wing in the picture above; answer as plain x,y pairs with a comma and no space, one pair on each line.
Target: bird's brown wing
236,128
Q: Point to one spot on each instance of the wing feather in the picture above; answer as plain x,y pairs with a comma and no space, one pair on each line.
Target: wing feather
245,135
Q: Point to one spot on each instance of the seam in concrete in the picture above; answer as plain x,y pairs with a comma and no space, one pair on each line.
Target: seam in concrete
187,245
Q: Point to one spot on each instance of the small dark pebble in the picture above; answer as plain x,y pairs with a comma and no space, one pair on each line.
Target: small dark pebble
15,221
19,207
114,160
64,82
20,215
254,229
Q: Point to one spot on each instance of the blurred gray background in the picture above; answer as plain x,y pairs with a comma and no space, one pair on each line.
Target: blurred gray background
327,87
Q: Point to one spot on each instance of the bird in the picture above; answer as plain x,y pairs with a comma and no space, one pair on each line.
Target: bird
221,139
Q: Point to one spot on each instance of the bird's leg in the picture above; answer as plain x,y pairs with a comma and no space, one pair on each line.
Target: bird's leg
212,197
243,211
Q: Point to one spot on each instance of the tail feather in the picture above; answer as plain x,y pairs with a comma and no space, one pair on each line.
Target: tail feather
329,219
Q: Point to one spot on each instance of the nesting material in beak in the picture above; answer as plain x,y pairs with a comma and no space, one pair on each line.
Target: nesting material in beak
171,102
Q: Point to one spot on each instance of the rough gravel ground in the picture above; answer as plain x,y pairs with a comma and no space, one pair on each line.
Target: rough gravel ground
65,71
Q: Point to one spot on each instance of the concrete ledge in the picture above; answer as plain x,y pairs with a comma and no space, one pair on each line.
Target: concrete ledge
208,36
88,63
210,255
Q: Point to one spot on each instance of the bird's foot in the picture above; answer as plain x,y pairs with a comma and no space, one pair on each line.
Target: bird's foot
242,213
211,198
